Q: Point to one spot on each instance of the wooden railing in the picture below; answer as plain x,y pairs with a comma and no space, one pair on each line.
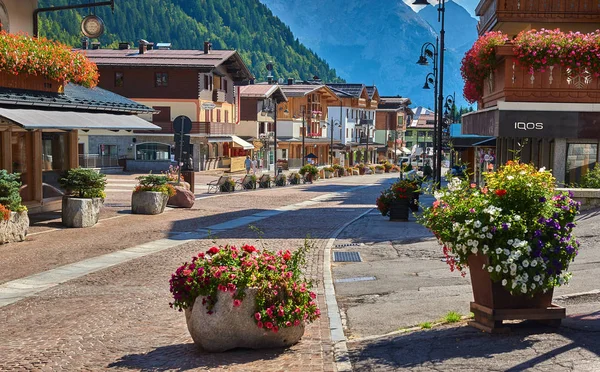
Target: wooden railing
561,11
219,95
512,83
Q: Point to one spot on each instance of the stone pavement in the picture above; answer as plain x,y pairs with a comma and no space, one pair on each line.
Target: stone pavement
117,317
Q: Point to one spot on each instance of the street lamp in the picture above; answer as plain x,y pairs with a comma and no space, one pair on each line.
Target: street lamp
441,13
431,78
334,123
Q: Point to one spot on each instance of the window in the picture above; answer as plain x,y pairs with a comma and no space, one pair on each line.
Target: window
408,133
152,151
347,113
347,132
161,79
205,82
284,153
421,133
225,85
227,116
163,115
218,116
118,79
54,162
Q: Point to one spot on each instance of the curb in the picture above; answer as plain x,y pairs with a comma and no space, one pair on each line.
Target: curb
336,328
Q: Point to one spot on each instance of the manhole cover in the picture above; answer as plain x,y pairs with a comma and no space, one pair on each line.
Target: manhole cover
359,279
346,257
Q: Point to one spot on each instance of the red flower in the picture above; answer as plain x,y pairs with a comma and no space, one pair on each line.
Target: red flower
237,303
248,248
287,255
501,193
213,250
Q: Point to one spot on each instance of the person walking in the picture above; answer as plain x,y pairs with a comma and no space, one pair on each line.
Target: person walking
248,164
254,166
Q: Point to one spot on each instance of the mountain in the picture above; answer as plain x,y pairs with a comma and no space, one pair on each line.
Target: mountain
460,27
245,25
371,42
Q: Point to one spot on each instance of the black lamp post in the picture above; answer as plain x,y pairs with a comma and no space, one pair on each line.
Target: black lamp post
432,78
333,124
441,12
303,135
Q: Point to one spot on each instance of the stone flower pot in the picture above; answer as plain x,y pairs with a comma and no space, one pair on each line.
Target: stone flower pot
230,327
328,174
80,212
15,228
148,202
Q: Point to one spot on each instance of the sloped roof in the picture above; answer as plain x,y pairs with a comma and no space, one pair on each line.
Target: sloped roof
371,90
76,98
171,58
353,90
263,91
299,90
393,103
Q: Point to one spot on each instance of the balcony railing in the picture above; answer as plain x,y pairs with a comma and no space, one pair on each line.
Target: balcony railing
492,12
198,127
219,95
511,83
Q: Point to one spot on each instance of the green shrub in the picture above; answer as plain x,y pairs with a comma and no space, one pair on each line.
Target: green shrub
265,181
228,186
281,181
83,183
155,183
309,168
295,179
9,191
592,179
251,184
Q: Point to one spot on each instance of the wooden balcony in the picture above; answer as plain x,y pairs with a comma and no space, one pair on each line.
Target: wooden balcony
219,96
495,12
198,127
511,83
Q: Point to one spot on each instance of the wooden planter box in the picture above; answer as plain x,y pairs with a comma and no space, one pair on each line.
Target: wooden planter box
15,228
493,304
30,82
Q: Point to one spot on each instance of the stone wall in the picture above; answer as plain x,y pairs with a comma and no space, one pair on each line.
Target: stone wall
589,198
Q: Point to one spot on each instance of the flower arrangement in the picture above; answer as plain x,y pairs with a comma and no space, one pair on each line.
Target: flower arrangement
479,62
310,169
172,174
265,181
518,221
379,167
22,54
155,183
388,166
295,178
281,180
83,183
329,169
283,299
10,198
402,189
229,185
251,183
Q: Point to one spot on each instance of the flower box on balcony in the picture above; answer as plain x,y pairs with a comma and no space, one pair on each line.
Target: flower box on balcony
30,82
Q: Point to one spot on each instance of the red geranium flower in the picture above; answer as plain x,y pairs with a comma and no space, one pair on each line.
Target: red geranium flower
248,248
213,250
501,192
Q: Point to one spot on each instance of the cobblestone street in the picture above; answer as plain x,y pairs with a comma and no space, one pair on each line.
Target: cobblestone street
118,317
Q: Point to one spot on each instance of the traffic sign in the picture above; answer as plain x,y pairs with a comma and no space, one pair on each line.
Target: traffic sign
208,106
182,124
185,140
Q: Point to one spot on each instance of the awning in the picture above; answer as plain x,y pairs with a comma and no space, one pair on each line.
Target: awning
245,145
66,120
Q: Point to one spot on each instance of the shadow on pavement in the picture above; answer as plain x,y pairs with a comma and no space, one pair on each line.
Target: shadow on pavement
590,213
184,357
529,344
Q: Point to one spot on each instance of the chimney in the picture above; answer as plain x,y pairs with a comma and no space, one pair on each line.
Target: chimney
251,81
270,79
84,43
95,45
150,46
143,46
207,47
124,46
290,81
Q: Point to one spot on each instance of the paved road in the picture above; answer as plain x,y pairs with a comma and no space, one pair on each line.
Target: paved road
118,317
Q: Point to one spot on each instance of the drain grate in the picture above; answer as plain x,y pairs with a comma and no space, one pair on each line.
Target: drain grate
359,279
346,257
349,245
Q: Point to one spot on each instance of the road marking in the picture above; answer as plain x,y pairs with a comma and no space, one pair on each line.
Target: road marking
19,289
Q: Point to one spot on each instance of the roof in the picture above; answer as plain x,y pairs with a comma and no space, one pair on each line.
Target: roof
34,118
371,91
75,97
393,103
172,58
299,90
262,91
353,90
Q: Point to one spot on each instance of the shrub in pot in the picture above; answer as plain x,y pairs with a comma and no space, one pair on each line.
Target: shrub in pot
379,169
295,178
516,237
338,170
244,297
151,195
84,196
395,201
265,181
228,186
387,166
328,172
310,172
14,221
281,180
250,184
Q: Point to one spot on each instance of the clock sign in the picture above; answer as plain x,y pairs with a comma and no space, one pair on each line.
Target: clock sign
92,26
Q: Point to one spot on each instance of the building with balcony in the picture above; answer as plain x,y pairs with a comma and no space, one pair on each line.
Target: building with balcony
392,118
199,84
418,135
547,116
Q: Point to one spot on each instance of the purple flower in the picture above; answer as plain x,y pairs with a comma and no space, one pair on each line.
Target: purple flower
472,210
537,233
493,229
540,243
542,199
570,249
570,225
504,226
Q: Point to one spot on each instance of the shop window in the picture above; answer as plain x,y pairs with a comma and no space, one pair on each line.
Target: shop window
119,79
581,158
161,79
152,151
54,162
409,144
408,133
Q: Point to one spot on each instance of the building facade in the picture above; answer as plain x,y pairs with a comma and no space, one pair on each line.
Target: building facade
393,116
418,136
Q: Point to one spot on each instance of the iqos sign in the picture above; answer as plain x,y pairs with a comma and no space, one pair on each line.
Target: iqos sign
522,125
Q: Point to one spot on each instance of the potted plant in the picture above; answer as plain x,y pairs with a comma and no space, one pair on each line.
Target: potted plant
387,166
150,196
328,172
84,197
250,183
395,201
310,172
228,186
14,221
281,180
338,170
244,297
370,169
295,178
379,169
361,168
516,237
265,181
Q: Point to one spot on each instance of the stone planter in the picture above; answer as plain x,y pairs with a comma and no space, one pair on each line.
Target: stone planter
15,228
230,327
328,174
148,202
399,210
80,212
492,303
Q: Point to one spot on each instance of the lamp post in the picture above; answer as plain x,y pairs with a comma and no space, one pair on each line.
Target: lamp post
449,111
333,123
431,78
441,13
303,135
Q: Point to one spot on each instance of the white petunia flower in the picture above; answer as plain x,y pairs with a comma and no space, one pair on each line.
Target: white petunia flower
489,235
517,218
506,252
498,268
477,224
537,278
504,282
524,288
542,169
498,250
490,269
525,263
533,263
474,250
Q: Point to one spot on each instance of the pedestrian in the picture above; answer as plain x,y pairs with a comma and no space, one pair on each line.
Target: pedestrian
248,164
254,166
